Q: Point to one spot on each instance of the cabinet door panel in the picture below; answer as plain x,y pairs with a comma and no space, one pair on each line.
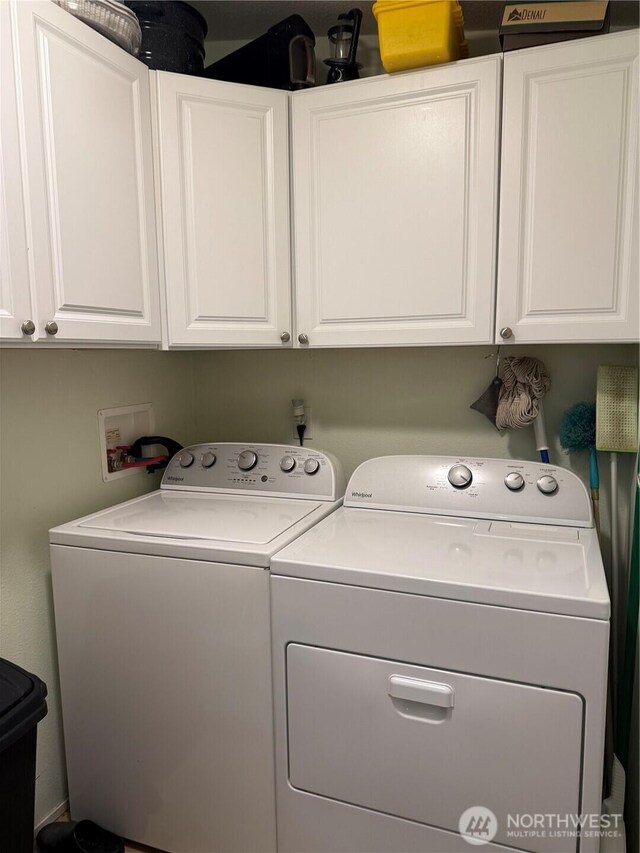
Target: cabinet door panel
88,135
15,290
224,183
568,267
394,204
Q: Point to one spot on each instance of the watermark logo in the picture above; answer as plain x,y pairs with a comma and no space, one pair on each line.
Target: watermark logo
527,826
478,825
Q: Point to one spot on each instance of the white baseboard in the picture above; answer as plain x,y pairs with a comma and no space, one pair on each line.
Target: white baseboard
54,814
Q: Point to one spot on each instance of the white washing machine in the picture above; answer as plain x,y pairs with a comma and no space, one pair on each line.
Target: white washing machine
440,644
162,621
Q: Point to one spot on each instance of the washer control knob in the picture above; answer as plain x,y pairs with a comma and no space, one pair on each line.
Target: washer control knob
185,459
287,463
247,460
311,466
460,476
548,485
514,481
208,459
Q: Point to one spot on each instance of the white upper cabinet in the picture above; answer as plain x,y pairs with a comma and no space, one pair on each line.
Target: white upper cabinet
224,186
86,143
16,311
568,249
395,197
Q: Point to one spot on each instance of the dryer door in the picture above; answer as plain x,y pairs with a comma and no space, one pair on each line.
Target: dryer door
427,744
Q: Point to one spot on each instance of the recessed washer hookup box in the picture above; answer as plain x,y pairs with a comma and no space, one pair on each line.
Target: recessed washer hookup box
528,24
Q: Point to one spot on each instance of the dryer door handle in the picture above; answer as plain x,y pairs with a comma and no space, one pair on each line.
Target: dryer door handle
424,692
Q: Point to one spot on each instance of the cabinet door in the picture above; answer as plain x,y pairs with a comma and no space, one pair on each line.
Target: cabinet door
568,260
15,290
224,184
395,207
87,122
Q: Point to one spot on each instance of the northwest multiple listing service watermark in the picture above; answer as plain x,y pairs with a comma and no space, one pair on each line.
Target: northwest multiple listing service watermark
478,825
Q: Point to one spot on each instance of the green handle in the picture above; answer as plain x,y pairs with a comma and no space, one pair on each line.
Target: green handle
594,476
626,685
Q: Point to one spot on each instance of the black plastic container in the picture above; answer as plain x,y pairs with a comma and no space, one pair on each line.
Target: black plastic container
22,706
282,58
173,35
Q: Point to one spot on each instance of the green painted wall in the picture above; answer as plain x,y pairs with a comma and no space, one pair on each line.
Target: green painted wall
371,402
365,402
50,473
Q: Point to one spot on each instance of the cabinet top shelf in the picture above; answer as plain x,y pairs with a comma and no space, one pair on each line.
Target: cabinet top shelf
249,19
231,25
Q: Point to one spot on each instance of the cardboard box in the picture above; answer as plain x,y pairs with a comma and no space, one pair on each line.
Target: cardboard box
528,24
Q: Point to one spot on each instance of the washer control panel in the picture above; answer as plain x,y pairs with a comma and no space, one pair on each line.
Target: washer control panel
504,489
280,469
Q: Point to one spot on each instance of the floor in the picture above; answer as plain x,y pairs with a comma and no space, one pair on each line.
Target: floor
129,847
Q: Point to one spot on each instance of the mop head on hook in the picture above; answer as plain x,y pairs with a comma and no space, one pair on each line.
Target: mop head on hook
525,382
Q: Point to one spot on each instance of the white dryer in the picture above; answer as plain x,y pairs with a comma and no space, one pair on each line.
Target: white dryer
440,644
162,622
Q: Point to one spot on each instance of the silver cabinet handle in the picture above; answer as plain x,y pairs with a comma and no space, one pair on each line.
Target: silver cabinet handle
506,333
28,327
285,337
51,328
302,338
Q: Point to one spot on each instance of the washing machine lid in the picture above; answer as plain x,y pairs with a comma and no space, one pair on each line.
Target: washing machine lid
243,530
540,567
223,518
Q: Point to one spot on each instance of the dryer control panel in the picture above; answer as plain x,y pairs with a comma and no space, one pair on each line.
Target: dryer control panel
502,489
265,469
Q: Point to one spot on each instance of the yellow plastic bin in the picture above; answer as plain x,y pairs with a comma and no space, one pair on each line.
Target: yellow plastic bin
416,34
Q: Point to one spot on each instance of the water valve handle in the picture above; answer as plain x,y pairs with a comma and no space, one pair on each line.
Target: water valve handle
172,447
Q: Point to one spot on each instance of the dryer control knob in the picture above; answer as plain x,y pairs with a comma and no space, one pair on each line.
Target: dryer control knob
311,466
287,463
460,476
548,485
514,481
208,459
185,459
247,460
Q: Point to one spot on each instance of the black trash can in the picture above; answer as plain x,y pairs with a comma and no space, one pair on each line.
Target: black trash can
22,706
